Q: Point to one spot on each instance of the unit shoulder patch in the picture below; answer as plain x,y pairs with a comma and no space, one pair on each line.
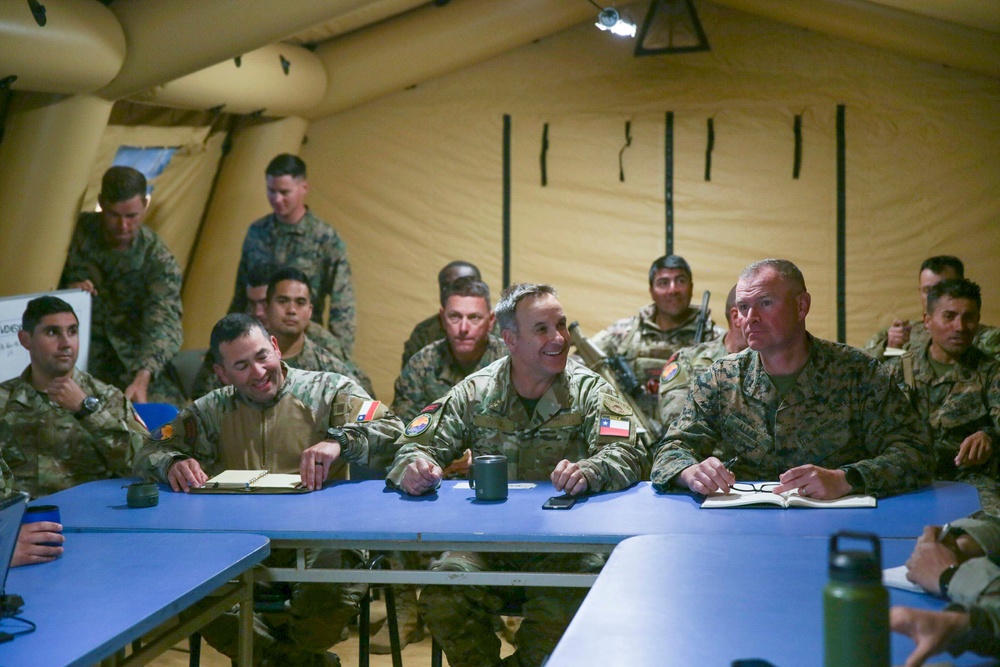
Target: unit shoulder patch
417,425
615,405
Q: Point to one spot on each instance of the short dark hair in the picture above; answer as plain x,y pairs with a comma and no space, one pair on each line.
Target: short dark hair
956,288
286,164
506,311
260,273
941,263
42,306
668,262
782,267
231,327
457,264
121,184
730,304
287,273
466,286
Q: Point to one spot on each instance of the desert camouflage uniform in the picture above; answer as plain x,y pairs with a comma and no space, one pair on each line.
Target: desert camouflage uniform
136,317
225,430
844,411
484,413
961,402
987,339
312,357
48,449
678,373
647,347
432,372
315,248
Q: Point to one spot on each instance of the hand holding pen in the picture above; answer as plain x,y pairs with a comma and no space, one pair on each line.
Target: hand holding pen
709,476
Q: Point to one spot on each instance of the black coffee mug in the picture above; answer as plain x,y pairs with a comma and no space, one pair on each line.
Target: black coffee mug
142,494
488,476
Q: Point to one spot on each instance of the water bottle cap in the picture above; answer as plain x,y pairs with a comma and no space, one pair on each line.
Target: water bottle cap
855,566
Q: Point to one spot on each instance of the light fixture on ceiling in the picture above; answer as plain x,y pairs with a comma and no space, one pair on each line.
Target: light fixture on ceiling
671,26
610,20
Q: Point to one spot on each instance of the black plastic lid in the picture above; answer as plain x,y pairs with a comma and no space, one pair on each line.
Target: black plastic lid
862,567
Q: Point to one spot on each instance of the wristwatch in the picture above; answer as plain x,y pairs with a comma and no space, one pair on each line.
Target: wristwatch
338,434
90,406
945,579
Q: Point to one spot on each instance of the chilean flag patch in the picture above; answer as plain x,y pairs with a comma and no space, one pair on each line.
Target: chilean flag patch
368,409
615,427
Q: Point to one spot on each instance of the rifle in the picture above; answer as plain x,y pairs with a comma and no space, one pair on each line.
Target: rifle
699,333
609,368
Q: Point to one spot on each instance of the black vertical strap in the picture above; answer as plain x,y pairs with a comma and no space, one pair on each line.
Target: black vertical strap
543,158
506,200
797,167
668,181
709,148
621,153
841,225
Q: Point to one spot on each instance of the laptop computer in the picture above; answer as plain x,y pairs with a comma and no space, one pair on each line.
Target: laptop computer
11,511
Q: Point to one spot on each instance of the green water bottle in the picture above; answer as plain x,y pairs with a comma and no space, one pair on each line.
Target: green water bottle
856,606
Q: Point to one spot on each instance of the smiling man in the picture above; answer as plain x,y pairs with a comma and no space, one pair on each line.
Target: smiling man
293,236
648,340
285,420
955,388
136,285
817,416
554,420
59,427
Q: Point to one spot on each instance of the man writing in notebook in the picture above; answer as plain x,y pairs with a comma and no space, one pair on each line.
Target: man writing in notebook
285,420
819,417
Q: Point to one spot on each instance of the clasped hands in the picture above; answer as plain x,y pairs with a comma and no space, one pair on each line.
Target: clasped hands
711,476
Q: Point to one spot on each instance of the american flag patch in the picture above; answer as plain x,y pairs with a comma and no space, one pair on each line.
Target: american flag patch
368,409
615,427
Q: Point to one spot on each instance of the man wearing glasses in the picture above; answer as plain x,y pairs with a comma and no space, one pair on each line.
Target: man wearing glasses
817,416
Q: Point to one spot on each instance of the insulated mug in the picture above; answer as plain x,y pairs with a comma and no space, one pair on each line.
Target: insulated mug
37,513
488,476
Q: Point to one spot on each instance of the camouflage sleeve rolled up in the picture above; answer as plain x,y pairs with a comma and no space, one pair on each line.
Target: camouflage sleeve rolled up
982,637
843,412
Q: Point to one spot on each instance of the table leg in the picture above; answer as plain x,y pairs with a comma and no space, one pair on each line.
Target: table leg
246,619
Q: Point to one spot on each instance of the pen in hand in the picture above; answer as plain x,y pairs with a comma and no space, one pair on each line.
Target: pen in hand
728,465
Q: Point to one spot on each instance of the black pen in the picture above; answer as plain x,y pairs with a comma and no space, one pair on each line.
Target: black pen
731,462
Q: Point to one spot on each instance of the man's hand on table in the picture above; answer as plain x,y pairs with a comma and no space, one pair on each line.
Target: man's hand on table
420,477
184,474
568,478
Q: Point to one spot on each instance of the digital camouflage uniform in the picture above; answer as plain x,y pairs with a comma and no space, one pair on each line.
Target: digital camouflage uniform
312,357
48,449
426,332
315,248
136,315
647,347
844,411
961,402
224,431
987,339
678,373
432,372
429,331
484,413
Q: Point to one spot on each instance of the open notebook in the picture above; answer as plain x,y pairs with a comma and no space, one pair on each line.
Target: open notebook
760,495
252,481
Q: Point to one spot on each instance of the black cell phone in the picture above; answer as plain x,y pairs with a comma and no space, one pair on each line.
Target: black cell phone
559,503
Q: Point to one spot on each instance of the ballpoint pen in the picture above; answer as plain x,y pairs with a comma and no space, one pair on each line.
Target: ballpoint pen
731,462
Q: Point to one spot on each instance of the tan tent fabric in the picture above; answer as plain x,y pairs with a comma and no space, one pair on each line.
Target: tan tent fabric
413,180
181,192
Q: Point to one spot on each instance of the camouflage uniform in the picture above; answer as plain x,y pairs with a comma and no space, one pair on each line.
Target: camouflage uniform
843,412
48,449
484,413
647,347
312,357
677,374
961,402
432,372
425,333
987,339
136,318
224,430
315,248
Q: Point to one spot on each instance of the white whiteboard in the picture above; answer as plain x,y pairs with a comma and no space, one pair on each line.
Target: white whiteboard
14,358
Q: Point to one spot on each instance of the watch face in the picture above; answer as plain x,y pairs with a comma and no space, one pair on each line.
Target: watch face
91,404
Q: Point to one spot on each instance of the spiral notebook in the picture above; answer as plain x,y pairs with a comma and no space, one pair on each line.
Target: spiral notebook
252,481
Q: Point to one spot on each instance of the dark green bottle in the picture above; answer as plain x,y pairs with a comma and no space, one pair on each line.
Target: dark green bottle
856,606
